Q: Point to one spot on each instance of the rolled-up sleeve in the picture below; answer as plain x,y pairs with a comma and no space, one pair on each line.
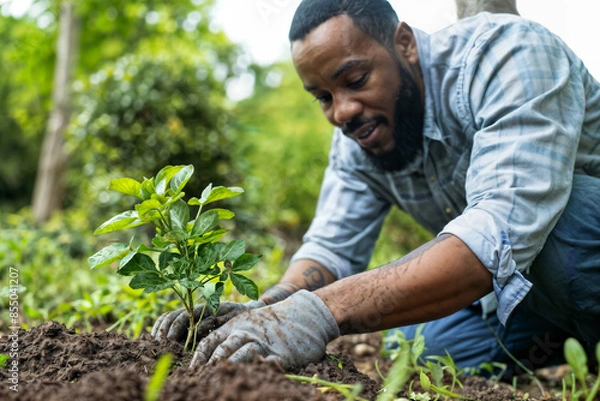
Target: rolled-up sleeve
348,219
524,102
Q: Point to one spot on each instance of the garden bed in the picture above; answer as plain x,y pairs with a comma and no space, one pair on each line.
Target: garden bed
56,363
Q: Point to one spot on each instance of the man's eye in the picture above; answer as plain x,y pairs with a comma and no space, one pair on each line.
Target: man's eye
359,82
323,98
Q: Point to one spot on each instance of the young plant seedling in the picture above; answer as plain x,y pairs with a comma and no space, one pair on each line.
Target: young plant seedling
578,361
186,253
349,391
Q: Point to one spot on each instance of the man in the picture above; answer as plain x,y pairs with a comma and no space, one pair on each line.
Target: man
488,134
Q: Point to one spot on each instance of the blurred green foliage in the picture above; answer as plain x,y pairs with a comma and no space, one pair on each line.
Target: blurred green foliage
142,113
285,140
151,78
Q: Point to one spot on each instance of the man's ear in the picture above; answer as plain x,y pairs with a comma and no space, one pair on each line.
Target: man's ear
405,43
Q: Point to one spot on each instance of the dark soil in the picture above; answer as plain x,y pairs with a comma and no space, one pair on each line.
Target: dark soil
56,363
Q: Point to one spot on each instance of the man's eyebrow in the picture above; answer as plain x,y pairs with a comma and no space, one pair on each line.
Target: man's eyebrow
342,69
345,67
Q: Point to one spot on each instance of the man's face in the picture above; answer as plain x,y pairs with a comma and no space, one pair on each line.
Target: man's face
363,89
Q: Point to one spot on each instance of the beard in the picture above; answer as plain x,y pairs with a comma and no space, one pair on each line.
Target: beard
407,130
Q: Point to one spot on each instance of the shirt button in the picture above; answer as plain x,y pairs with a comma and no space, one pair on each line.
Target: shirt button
448,210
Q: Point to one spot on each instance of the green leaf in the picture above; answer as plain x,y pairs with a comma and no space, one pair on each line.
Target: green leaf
211,194
206,222
446,392
150,282
220,193
145,248
437,372
194,202
127,258
108,255
123,221
244,285
210,237
212,294
161,242
164,176
158,378
176,235
224,214
3,359
165,259
149,210
211,253
425,382
576,357
180,215
181,178
139,263
147,189
205,194
127,186
206,258
233,250
190,284
245,262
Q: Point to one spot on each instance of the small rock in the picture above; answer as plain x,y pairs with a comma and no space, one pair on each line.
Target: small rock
364,350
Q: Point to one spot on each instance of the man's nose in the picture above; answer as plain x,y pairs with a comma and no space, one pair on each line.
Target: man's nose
345,110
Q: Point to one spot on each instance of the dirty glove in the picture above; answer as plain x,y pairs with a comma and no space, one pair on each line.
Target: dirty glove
292,332
174,325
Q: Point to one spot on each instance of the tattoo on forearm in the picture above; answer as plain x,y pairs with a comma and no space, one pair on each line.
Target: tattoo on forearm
401,265
417,253
314,278
279,292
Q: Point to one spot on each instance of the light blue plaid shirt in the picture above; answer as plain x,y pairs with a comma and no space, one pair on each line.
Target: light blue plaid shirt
510,115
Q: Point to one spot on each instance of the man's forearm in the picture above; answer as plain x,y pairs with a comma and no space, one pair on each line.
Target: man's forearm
433,281
302,274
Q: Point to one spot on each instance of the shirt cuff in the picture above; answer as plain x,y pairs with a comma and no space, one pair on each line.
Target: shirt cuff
492,246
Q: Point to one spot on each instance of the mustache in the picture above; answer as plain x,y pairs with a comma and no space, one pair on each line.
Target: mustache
356,123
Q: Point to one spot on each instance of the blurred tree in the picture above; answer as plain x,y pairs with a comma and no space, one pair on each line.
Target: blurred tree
158,39
26,63
48,189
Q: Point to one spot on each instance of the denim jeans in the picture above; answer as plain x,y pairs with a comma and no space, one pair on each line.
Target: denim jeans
564,301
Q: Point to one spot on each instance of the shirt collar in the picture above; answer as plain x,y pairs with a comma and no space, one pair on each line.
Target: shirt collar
430,129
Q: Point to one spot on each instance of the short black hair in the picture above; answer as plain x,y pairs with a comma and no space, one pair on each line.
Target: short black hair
375,17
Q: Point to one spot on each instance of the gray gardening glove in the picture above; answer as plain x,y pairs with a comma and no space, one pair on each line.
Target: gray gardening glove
174,325
292,332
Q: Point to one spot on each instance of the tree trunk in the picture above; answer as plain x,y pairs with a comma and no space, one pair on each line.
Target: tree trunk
468,8
48,189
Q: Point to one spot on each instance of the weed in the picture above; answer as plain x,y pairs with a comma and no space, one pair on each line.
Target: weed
3,359
407,361
578,361
350,391
158,378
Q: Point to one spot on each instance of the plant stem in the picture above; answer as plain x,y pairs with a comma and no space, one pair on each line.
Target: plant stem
188,303
192,323
594,390
510,355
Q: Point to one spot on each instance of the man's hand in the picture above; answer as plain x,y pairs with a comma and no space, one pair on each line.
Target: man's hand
293,333
174,325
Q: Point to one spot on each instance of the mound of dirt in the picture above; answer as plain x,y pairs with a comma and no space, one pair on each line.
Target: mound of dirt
58,364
